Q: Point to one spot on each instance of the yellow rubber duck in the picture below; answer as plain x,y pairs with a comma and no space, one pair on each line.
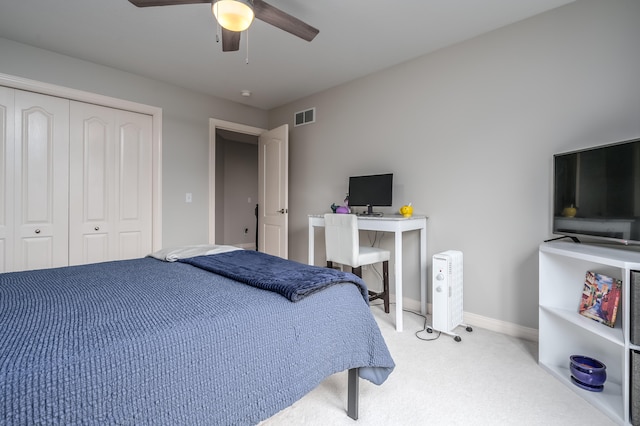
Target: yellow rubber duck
406,210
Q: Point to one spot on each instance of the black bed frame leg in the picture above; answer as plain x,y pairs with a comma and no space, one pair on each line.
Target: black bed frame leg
353,393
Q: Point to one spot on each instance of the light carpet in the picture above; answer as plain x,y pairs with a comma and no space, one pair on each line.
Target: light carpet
486,379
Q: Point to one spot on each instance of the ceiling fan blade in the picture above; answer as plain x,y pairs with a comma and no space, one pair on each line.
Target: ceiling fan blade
147,3
274,16
230,40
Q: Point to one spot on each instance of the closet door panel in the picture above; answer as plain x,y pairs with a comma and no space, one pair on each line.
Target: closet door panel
41,181
37,253
134,191
131,245
6,178
96,173
95,248
91,185
110,184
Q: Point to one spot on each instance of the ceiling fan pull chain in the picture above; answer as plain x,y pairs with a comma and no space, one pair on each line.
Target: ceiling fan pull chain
247,37
218,31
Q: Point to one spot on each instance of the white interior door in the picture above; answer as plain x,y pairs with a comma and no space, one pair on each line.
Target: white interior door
41,181
110,189
273,185
273,192
134,184
91,172
6,178
27,119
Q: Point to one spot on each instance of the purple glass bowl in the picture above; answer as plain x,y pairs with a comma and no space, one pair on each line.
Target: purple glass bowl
588,371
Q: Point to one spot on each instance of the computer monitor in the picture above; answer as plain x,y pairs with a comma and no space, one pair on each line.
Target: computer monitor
371,191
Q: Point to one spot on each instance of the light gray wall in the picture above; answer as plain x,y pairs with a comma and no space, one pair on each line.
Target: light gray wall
185,135
469,133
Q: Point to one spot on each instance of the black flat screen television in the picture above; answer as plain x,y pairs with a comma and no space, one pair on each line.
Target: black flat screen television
371,191
596,193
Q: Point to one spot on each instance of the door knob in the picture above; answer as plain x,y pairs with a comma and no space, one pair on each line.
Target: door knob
283,211
97,228
37,231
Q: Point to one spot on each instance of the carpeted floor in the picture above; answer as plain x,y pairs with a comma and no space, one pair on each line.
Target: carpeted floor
486,379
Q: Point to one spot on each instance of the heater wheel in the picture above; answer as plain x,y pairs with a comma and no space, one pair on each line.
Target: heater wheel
457,339
429,330
469,329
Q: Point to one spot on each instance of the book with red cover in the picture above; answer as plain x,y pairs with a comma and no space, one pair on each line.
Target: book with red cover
600,298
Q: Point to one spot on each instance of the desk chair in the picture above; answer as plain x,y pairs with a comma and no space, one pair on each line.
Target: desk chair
342,241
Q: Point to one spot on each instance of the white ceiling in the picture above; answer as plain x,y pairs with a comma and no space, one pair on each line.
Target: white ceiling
177,44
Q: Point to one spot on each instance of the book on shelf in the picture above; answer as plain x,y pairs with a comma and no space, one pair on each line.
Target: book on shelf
600,298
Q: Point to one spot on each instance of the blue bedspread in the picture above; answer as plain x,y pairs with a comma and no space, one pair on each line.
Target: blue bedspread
148,342
291,279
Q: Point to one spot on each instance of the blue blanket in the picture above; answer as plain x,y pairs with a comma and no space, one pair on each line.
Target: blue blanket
146,342
293,280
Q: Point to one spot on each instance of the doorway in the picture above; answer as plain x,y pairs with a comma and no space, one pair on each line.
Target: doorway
273,176
233,183
236,178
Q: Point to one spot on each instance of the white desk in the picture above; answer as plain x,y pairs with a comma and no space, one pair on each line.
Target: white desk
390,223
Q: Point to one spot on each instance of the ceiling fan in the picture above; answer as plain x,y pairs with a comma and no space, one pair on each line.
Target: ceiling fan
231,17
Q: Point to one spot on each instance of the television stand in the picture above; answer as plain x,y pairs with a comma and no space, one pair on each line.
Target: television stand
564,332
575,239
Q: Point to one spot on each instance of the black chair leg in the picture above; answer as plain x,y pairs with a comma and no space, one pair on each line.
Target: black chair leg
357,271
385,285
384,295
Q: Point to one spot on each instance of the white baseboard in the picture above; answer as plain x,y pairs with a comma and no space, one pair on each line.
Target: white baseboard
475,320
508,328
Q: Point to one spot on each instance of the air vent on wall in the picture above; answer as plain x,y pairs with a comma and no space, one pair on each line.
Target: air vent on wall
304,117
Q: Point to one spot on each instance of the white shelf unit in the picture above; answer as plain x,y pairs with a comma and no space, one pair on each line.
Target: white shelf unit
564,332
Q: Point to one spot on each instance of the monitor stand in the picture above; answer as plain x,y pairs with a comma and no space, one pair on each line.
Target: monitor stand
370,212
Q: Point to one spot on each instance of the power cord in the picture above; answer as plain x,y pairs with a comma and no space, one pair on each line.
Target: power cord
424,326
377,241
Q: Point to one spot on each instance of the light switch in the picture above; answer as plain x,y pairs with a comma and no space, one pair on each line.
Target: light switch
188,197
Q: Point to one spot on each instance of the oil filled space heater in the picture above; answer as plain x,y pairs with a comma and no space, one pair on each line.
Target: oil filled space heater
446,294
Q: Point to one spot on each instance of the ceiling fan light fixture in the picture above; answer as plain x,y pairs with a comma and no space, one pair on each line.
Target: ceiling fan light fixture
233,15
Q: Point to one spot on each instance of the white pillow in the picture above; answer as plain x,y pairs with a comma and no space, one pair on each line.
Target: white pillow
184,252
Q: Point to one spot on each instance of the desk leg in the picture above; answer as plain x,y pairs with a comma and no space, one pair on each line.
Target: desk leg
312,258
423,271
398,269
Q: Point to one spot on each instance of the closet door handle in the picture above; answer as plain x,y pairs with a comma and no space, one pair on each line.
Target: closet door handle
97,228
37,231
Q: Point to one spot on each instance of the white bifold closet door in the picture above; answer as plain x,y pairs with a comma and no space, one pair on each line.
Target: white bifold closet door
75,182
110,186
40,181
6,177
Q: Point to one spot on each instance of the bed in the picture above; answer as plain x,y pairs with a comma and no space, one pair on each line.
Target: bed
147,341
